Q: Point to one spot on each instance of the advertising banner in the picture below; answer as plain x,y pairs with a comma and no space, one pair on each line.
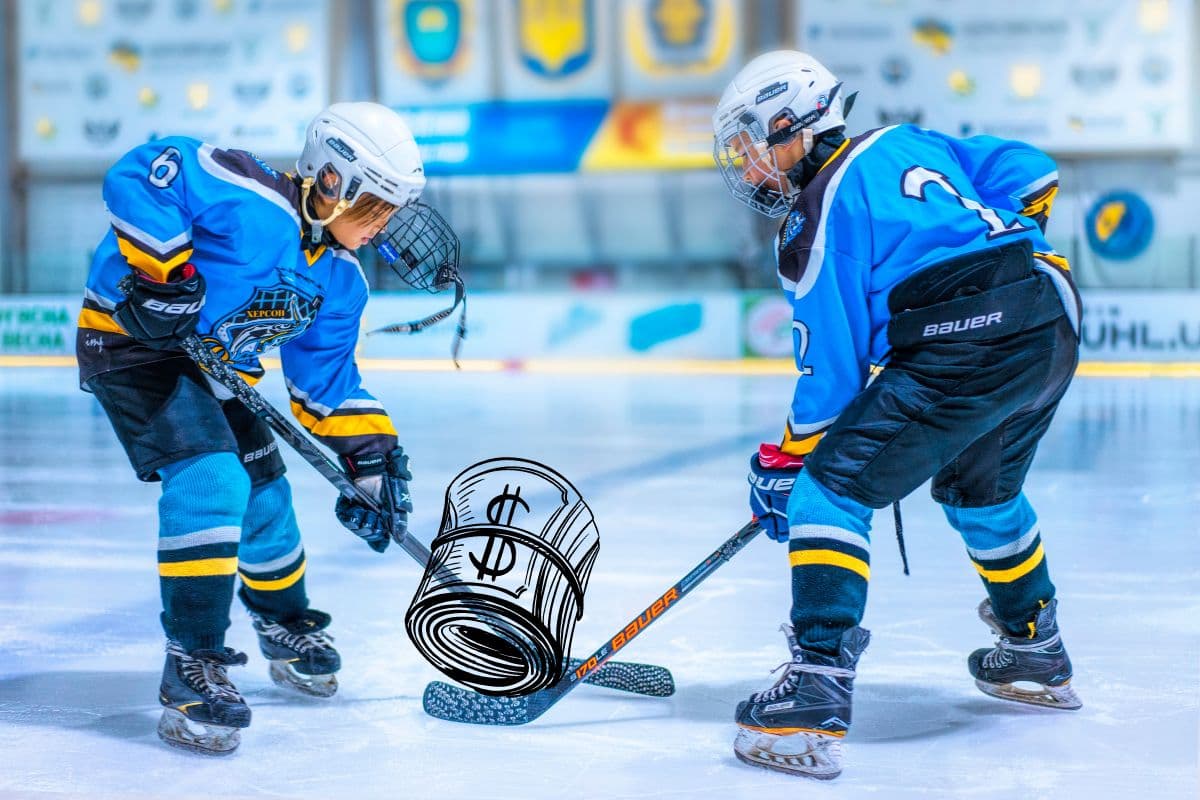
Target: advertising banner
38,325
550,325
96,78
1127,326
505,138
434,52
1140,326
653,136
565,136
1092,76
678,48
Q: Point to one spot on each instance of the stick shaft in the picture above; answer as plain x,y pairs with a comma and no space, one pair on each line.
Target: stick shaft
656,609
228,377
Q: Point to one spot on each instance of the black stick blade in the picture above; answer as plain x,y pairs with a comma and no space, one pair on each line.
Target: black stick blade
650,680
455,704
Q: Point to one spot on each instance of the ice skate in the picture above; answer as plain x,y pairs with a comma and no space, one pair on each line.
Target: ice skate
797,725
301,653
1035,671
202,709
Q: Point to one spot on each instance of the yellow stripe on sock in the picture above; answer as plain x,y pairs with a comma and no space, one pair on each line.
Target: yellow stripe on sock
199,568
830,558
1012,573
278,584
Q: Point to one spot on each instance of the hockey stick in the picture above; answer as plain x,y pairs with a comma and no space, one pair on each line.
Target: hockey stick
456,704
638,678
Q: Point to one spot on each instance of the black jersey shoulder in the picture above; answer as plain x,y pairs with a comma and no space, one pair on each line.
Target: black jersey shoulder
798,230
248,165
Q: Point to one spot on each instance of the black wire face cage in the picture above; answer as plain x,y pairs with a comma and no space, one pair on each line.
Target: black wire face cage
421,247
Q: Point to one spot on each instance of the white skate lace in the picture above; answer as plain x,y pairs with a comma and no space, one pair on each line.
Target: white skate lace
207,677
300,642
1002,654
790,679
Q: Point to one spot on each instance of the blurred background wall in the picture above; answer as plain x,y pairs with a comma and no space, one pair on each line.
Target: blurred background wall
569,141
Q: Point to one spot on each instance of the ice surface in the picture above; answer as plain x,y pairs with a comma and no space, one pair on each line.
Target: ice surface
661,462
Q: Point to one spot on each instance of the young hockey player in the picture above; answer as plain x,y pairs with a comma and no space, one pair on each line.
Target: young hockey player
935,332
218,244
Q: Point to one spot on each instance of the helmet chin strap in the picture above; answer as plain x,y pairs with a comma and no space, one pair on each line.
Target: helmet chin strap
317,226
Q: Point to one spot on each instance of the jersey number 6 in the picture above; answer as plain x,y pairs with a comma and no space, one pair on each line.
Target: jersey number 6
164,168
915,180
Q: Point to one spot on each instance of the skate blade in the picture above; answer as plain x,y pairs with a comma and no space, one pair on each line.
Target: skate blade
177,730
1062,697
285,677
809,755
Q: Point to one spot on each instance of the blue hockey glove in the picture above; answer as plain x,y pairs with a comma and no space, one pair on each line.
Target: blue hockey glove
384,477
772,474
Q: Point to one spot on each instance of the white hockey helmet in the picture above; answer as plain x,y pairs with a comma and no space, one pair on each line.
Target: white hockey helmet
781,85
355,148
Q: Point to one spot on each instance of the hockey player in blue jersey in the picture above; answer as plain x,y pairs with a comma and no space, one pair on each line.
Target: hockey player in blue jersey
216,243
935,332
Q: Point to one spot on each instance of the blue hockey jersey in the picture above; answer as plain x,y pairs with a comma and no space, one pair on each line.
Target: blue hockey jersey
886,205
177,200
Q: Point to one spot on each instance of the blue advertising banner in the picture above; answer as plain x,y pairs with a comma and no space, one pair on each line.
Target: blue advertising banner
505,138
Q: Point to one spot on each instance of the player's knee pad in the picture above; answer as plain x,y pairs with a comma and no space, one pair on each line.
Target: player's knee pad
812,504
987,528
203,493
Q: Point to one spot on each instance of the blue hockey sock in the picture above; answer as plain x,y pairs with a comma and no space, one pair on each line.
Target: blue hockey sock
200,523
1005,546
829,551
271,560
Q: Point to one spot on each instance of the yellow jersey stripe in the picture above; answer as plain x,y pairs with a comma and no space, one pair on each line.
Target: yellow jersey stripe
99,321
1040,203
1055,259
199,568
140,259
800,447
830,558
349,425
1012,573
836,153
278,584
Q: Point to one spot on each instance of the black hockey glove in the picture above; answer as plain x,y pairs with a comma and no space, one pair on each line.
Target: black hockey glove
161,315
384,477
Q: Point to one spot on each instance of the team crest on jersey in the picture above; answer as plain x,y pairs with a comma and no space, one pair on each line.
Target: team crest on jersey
555,36
431,37
272,318
792,227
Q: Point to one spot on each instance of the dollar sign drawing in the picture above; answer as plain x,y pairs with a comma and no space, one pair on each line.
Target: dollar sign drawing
504,549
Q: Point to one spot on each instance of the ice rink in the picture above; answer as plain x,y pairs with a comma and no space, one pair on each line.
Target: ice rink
661,460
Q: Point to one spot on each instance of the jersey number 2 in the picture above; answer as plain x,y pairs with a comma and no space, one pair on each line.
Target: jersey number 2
916,179
164,168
